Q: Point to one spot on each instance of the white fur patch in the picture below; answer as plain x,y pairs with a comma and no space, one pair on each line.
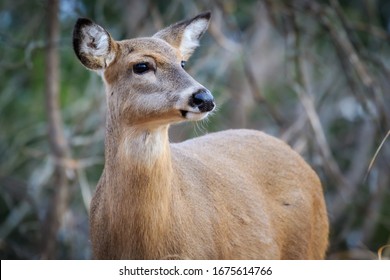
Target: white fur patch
191,36
96,43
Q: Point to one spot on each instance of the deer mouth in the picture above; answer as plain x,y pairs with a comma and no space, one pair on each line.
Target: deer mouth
185,113
194,116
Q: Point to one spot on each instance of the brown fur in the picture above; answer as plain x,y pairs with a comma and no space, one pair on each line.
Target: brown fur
237,194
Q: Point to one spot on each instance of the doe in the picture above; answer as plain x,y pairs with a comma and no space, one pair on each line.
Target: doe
236,194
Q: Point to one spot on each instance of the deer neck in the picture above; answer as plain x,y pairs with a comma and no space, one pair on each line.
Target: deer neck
138,182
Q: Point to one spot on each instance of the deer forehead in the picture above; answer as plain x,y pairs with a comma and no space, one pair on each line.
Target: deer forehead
150,47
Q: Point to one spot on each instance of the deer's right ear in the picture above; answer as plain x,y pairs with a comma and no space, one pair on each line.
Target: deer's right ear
93,45
185,34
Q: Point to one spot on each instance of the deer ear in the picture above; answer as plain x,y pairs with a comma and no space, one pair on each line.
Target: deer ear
185,35
93,45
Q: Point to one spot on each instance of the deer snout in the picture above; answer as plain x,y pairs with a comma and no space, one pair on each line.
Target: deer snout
203,100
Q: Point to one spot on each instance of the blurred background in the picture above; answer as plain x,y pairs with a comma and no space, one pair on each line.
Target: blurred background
314,73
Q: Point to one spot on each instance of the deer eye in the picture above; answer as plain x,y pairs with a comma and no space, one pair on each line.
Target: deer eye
183,64
141,68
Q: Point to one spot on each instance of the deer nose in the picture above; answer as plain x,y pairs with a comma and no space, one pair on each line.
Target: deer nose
203,100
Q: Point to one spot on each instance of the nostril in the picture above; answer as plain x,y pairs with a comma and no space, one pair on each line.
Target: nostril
203,100
198,99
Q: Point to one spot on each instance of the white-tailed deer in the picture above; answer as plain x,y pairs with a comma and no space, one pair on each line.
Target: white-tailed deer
237,194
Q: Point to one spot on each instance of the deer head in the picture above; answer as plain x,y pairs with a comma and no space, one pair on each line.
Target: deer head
146,83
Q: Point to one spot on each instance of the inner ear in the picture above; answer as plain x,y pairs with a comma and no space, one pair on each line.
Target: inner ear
92,44
185,35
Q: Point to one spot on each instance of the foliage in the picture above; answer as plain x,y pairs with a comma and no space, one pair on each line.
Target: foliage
314,73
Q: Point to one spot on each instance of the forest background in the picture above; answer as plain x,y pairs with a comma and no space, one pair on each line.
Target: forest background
313,73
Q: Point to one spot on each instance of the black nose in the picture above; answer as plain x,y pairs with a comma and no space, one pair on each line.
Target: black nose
203,100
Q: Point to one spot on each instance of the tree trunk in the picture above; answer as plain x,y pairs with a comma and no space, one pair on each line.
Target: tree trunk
58,144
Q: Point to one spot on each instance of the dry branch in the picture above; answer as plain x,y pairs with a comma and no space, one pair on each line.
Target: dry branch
376,154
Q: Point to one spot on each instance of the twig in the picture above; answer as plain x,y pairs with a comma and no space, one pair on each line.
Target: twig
381,249
375,156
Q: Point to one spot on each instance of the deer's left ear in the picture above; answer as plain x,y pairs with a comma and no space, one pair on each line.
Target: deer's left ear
185,35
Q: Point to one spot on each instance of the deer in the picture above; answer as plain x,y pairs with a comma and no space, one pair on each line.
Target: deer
233,194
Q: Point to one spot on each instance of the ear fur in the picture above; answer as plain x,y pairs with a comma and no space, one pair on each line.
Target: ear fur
185,34
92,44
